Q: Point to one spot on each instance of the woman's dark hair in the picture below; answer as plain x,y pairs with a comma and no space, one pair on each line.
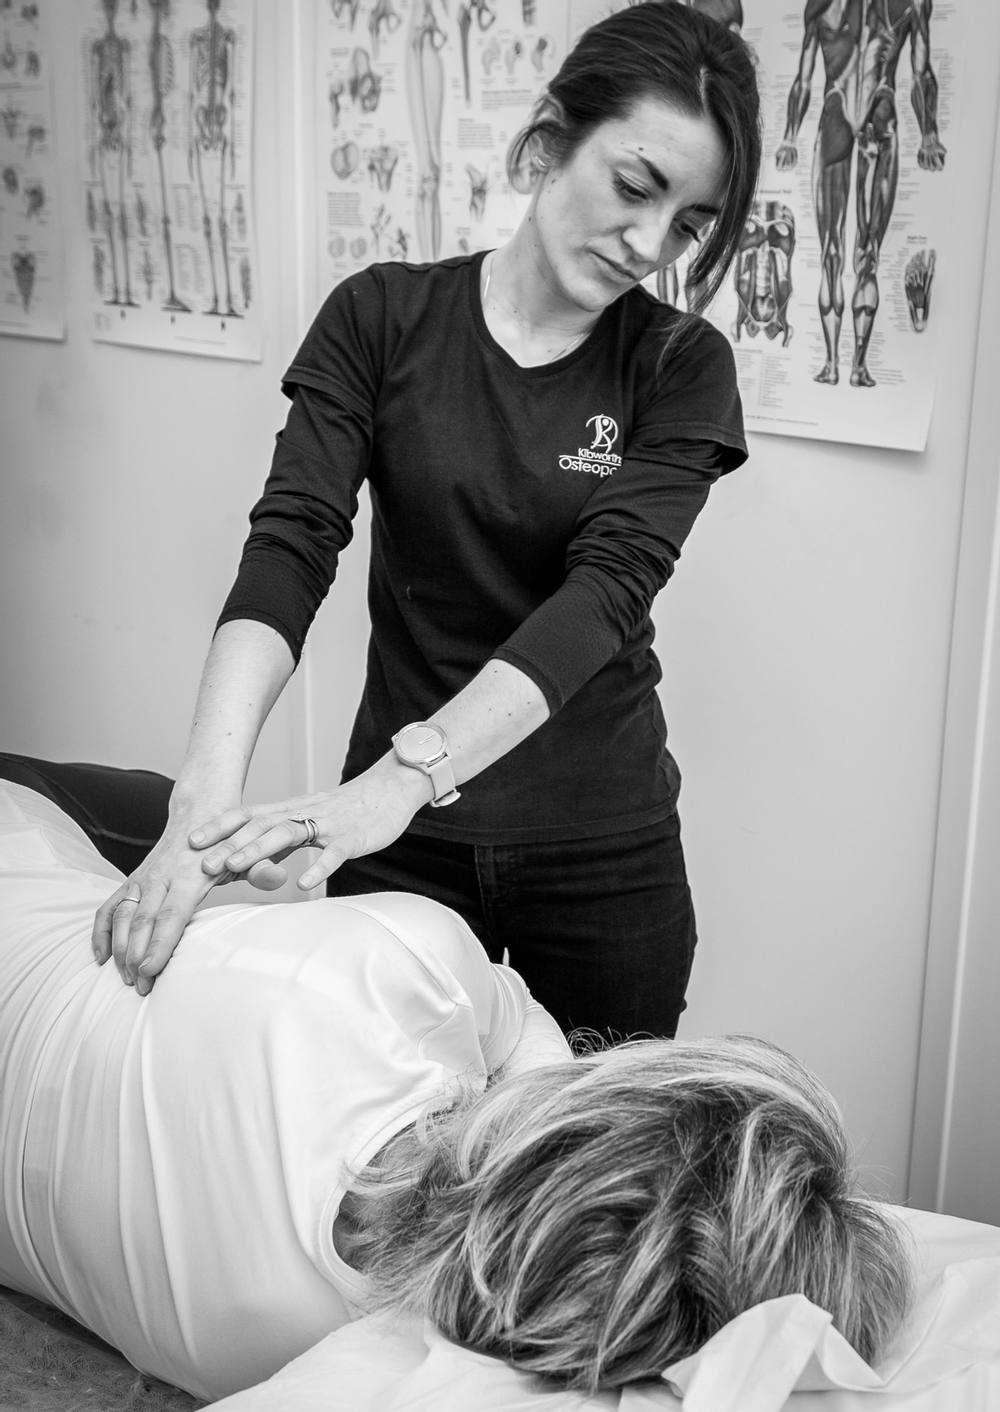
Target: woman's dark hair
667,51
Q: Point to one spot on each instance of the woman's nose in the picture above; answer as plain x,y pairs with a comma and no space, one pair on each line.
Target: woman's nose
647,234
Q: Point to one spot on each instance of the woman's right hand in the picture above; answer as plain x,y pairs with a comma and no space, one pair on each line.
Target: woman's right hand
246,669
155,904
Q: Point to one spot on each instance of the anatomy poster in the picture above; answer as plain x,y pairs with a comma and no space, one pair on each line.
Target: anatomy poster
422,99
32,267
830,304
167,192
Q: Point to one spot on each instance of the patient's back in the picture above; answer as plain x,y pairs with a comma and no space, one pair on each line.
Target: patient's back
171,1167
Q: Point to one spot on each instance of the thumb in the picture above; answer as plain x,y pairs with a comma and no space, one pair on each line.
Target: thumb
267,876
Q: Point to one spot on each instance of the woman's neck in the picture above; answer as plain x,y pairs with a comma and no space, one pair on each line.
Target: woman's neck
522,315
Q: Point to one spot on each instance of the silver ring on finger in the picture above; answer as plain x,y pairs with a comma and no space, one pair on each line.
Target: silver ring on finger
122,900
312,830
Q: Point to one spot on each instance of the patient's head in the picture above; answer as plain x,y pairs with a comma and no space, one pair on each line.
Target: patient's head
596,1220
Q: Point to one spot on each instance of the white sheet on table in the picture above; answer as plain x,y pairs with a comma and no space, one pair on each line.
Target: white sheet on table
781,1354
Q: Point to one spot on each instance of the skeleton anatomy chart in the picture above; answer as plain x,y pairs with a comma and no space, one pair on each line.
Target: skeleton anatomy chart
167,191
830,300
32,269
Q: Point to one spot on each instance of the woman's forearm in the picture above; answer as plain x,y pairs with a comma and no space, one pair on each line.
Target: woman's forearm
247,667
500,707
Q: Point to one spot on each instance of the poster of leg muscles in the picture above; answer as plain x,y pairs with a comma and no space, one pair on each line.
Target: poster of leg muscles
832,302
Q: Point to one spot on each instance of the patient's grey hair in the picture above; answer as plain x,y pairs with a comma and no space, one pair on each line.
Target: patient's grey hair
595,1220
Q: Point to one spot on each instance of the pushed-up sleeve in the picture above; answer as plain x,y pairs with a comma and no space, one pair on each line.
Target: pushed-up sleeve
304,518
630,532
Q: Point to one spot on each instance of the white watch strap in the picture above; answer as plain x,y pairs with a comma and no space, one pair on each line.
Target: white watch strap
442,775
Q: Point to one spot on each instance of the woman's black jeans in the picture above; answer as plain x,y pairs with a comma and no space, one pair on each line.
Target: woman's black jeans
602,929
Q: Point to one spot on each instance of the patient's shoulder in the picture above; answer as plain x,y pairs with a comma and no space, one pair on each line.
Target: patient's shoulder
428,929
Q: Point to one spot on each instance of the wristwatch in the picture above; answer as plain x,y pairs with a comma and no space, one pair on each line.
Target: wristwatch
424,746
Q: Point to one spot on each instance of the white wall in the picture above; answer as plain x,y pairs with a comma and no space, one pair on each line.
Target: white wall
806,639
956,1143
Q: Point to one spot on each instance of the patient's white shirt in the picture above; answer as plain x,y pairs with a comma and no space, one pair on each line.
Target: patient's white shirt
172,1166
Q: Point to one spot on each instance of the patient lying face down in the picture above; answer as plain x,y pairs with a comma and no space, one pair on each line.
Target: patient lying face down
173,1167
596,1220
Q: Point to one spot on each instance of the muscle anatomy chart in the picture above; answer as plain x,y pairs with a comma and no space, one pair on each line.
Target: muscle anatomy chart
852,221
167,193
32,267
833,278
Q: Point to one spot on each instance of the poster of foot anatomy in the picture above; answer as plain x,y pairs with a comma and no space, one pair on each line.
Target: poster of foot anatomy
32,266
830,304
167,193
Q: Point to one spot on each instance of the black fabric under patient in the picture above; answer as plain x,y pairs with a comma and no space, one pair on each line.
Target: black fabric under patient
123,812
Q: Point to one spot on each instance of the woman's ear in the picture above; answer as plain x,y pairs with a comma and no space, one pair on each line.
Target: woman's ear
550,120
536,156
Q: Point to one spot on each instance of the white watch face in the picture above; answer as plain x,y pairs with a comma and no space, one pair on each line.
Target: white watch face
419,744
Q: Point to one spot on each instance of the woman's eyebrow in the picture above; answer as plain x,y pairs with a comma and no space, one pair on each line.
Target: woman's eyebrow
656,175
658,178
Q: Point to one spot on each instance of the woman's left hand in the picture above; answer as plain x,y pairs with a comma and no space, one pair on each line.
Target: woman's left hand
359,817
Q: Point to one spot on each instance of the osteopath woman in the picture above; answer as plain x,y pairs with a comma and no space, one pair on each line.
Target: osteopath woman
538,434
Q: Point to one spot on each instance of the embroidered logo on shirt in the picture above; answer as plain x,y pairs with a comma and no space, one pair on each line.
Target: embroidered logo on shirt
597,459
